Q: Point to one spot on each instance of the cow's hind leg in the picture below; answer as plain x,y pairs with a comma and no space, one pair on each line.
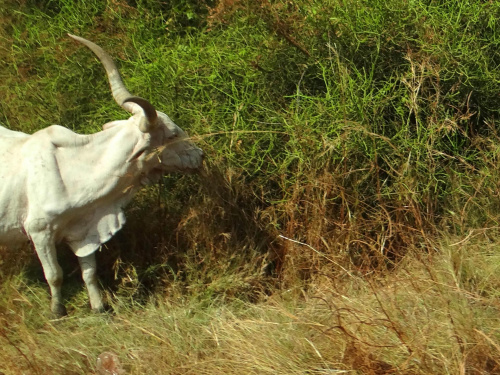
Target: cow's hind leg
88,266
46,251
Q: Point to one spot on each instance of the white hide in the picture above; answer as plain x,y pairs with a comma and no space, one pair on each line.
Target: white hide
59,186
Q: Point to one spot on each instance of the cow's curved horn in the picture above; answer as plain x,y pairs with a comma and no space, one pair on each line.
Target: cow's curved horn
149,111
118,89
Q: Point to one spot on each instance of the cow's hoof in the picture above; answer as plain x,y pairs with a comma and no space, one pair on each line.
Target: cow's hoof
59,311
105,309
99,310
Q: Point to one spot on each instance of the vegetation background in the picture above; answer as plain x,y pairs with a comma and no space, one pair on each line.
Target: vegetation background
347,220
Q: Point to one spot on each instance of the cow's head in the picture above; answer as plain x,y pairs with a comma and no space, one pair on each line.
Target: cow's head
165,146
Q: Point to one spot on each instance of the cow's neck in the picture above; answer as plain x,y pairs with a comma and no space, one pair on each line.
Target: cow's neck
100,167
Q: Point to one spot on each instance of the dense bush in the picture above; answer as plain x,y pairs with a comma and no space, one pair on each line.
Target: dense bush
360,128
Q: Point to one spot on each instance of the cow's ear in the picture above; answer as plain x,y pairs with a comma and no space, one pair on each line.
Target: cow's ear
140,148
136,154
111,124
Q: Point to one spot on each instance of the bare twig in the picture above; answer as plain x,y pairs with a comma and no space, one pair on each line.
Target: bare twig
317,252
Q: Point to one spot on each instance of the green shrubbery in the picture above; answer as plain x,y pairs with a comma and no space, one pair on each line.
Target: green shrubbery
362,127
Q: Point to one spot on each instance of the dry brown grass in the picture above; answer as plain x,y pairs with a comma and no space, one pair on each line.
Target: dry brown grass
434,314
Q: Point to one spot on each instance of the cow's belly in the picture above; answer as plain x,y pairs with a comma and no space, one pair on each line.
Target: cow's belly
12,237
11,217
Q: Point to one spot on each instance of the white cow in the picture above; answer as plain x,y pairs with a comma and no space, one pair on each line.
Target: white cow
59,186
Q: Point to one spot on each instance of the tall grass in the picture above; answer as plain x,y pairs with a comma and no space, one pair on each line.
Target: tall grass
344,140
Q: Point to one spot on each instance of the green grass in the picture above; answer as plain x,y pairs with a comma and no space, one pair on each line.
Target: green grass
365,130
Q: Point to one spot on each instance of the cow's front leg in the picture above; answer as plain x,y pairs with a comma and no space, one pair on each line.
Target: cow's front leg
88,266
46,250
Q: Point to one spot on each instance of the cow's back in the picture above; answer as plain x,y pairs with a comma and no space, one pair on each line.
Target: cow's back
4,132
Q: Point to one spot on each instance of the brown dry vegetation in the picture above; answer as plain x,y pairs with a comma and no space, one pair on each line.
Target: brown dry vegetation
431,315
